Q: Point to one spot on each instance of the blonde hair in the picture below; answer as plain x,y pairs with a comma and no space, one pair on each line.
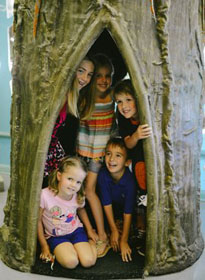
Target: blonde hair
72,100
65,163
86,103
73,96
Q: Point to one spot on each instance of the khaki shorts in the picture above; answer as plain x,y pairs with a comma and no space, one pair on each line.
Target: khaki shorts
94,164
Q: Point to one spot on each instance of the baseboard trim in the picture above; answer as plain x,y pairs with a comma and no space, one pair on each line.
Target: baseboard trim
4,169
5,134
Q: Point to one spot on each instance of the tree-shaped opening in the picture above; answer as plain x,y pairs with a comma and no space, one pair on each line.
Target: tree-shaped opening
105,44
107,266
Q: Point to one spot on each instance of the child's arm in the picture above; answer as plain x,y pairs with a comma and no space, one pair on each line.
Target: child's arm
124,246
114,238
85,220
45,251
142,132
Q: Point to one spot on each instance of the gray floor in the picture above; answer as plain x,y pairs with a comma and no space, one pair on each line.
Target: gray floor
195,272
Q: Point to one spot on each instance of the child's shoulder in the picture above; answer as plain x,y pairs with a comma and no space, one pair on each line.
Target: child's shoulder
47,192
128,175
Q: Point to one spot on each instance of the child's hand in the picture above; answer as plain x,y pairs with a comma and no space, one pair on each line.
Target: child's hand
143,131
125,251
46,255
93,235
114,240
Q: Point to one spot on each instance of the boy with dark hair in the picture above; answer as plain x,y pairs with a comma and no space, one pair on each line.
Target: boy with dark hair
117,188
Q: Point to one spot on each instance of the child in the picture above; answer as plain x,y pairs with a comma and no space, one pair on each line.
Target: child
60,231
133,133
62,142
118,194
92,139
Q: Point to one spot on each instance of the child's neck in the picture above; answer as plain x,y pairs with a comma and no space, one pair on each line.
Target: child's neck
67,198
102,96
135,117
117,176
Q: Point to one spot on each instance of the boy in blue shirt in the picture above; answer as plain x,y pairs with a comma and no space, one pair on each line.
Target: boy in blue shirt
117,189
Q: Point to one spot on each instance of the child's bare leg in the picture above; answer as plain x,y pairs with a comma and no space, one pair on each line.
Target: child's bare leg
141,222
66,255
87,253
95,204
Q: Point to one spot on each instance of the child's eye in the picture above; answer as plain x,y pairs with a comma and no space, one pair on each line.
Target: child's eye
118,101
79,182
107,153
119,156
70,179
80,70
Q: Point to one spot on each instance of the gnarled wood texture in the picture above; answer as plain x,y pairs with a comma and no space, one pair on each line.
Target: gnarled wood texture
162,49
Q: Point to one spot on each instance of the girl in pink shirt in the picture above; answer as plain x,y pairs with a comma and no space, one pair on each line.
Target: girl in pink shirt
60,231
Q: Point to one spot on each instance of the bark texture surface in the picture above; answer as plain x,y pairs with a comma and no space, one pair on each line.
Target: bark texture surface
164,58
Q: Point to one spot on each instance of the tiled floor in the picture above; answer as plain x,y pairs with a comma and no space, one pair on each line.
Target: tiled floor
195,272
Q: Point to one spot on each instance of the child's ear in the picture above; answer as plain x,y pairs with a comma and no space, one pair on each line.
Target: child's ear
128,162
58,175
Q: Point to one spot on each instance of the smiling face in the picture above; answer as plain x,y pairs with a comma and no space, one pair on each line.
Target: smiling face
126,105
103,80
84,73
70,181
116,160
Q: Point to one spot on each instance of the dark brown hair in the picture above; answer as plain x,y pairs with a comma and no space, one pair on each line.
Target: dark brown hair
118,142
124,86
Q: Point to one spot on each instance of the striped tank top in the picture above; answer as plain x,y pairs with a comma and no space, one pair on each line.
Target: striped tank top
95,132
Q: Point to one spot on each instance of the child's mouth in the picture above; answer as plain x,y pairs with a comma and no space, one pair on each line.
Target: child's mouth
111,165
81,83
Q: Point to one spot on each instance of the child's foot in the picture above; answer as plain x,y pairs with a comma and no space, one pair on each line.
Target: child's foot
140,238
141,251
140,242
102,248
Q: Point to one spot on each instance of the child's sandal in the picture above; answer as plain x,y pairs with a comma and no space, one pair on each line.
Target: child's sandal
102,244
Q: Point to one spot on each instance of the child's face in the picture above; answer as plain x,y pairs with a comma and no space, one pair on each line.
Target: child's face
126,105
70,181
103,79
84,73
116,160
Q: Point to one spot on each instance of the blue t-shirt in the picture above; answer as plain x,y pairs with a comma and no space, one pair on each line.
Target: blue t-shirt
122,193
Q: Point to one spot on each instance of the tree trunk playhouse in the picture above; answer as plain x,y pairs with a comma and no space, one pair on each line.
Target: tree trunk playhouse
161,45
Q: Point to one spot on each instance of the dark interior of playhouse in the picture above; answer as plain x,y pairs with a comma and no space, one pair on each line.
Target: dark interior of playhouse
111,266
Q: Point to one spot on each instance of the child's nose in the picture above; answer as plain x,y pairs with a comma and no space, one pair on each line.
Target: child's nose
88,78
103,79
111,157
74,183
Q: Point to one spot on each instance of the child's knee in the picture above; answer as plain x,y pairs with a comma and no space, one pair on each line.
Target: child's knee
70,263
88,261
